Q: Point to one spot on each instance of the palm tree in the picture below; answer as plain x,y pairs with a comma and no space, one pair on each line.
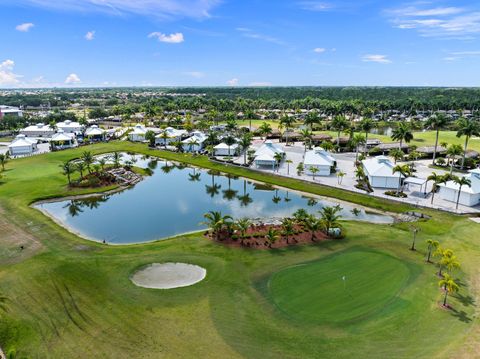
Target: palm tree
311,119
245,199
402,170
243,225
340,124
467,128
300,168
415,230
396,154
216,222
229,141
432,244
300,216
451,263
329,218
229,194
340,175
313,225
444,254
437,179
278,159
68,169
452,152
313,171
272,236
80,167
358,140
192,142
402,133
245,143
306,138
287,122
103,161
436,122
366,126
288,162
461,181
116,158
450,287
287,228
87,159
52,125
265,129
150,137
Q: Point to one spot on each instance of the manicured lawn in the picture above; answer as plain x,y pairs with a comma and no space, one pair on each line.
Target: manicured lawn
345,287
70,298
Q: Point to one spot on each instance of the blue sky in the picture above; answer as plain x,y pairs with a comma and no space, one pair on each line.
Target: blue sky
47,43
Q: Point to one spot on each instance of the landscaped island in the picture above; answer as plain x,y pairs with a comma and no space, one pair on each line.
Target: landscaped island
367,295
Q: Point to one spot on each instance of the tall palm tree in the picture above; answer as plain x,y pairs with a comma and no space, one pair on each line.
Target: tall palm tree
358,140
432,244
288,162
402,133
229,194
339,124
452,152
396,154
278,159
450,287
311,119
80,167
402,170
467,128
265,129
287,122
329,218
307,136
68,169
444,255
461,181
116,158
88,160
366,125
340,175
245,142
216,222
437,179
436,122
245,199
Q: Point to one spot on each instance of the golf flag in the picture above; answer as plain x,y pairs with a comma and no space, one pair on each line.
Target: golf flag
343,278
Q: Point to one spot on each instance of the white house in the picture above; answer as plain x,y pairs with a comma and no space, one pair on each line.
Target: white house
469,196
139,131
70,127
62,140
319,159
22,145
265,155
10,110
38,130
223,149
194,143
95,133
169,135
379,171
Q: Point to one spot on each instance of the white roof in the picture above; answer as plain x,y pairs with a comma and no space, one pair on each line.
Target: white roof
197,137
172,133
319,157
38,127
61,136
380,166
415,180
224,146
94,131
22,141
269,148
473,176
265,157
68,124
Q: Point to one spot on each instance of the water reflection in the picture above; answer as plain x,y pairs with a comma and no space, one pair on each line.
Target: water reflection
173,200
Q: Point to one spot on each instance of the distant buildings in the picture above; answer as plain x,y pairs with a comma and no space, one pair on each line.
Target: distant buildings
70,127
38,130
139,131
11,111
62,140
223,149
95,133
169,135
194,143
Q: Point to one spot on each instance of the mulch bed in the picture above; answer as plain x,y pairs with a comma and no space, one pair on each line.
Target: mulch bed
254,237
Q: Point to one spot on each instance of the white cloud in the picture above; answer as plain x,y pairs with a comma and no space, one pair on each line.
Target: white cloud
195,74
72,79
175,38
319,50
381,59
260,84
90,35
154,8
25,27
246,32
233,82
7,76
444,22
315,5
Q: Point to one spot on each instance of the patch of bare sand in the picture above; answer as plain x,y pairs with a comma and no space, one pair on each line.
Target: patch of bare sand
168,275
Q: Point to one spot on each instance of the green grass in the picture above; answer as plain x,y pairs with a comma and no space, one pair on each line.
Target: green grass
72,298
345,287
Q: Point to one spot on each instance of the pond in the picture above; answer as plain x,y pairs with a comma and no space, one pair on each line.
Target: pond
173,201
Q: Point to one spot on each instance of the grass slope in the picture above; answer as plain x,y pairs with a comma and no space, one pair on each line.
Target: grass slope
72,298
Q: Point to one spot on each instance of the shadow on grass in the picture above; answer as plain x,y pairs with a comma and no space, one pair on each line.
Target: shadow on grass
466,300
461,316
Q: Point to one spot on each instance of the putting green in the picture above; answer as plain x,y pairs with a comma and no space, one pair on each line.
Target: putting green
317,292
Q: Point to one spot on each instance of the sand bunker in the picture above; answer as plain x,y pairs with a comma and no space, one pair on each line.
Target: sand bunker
168,275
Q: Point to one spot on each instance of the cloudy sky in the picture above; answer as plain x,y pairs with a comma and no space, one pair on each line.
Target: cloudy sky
70,43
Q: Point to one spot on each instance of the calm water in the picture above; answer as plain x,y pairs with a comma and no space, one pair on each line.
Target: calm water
173,200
